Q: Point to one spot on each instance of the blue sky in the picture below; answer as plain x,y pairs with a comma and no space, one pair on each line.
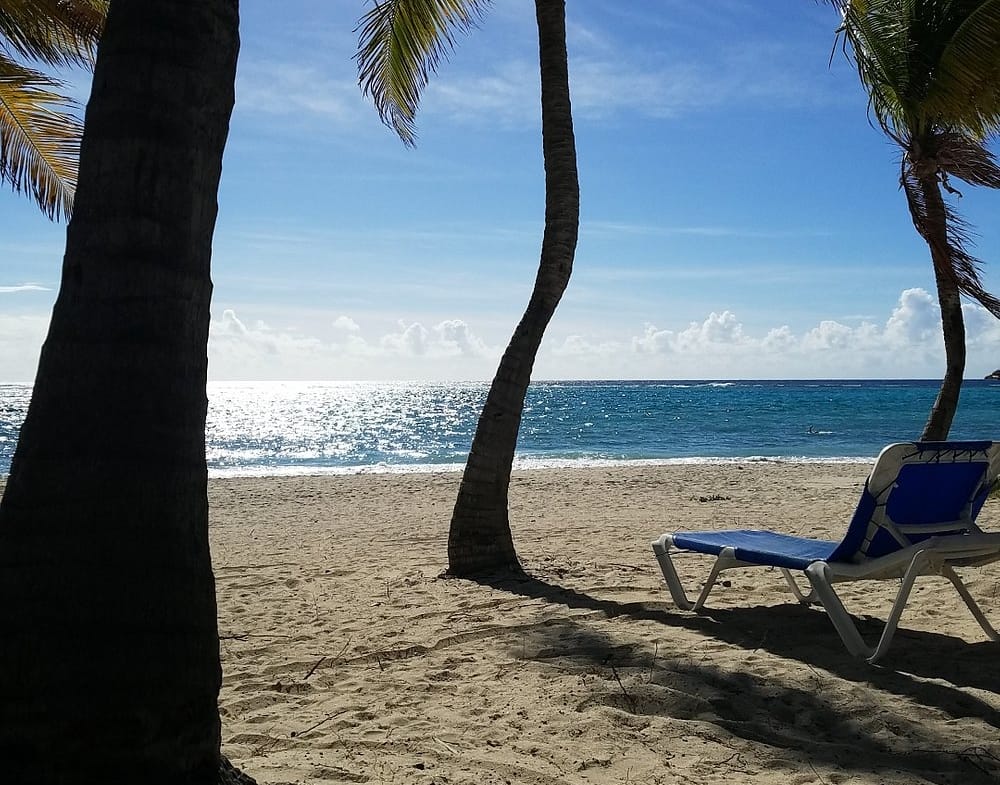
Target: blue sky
740,216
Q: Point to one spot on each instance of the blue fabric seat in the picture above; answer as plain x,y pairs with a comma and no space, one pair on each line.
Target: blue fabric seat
759,547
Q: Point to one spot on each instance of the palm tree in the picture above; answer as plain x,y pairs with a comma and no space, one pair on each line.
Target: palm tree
39,137
932,71
401,43
110,667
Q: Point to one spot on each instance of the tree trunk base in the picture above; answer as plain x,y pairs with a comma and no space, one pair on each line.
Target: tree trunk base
509,572
230,775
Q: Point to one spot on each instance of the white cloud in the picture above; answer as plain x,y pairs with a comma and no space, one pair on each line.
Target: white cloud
411,339
916,319
907,345
507,96
653,341
448,349
24,287
829,335
454,333
450,338
609,79
718,328
982,329
21,338
298,93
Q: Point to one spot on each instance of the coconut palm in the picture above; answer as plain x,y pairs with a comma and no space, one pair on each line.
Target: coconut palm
932,71
39,135
401,43
110,667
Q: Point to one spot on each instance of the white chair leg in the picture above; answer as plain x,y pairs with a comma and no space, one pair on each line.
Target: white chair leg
916,566
661,548
805,599
973,606
725,559
819,576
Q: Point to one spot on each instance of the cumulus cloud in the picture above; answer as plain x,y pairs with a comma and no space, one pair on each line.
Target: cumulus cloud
411,339
829,335
238,350
21,338
653,341
906,342
982,329
718,330
456,335
915,319
450,338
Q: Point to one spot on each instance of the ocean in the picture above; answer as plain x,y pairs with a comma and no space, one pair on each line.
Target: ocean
282,428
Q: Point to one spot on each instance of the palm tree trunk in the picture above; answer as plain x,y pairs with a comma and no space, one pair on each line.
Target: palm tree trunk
953,327
479,540
109,667
933,226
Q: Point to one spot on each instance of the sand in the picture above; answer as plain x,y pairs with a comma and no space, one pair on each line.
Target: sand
348,659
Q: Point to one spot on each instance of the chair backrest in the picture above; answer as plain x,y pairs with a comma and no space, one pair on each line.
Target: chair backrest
918,490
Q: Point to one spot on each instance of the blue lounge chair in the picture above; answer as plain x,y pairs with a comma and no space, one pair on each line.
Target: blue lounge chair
916,517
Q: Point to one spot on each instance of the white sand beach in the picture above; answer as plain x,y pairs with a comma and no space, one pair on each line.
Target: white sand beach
347,658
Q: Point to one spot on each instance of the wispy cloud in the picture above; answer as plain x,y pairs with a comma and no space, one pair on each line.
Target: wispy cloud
599,228
24,287
608,78
298,93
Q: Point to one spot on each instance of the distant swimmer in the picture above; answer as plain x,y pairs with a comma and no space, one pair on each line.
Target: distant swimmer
813,431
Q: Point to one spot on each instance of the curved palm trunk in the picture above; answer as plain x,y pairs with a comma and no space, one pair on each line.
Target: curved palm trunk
933,227
953,326
109,666
479,540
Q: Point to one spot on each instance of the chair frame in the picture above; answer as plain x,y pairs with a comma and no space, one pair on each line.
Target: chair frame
937,555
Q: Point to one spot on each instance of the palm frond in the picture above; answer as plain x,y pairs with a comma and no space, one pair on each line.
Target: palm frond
400,43
878,39
927,63
961,266
39,142
54,32
966,82
968,159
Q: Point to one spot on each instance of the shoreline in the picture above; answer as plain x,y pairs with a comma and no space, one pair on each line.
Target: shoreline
529,465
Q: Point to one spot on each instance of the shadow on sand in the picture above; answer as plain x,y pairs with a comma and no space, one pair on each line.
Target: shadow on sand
924,668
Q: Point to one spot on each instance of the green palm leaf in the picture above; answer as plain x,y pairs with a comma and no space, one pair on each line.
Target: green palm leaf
968,71
39,143
39,138
54,32
928,63
400,44
879,43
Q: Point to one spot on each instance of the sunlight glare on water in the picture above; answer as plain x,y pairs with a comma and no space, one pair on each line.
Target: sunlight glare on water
298,425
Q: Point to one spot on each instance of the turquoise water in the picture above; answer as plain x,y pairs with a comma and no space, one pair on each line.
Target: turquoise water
305,428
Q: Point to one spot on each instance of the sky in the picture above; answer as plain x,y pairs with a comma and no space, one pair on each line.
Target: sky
741,217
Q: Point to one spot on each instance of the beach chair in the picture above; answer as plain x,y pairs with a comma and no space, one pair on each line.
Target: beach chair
916,517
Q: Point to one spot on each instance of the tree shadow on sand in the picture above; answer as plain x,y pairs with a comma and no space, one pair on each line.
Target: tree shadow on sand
803,720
